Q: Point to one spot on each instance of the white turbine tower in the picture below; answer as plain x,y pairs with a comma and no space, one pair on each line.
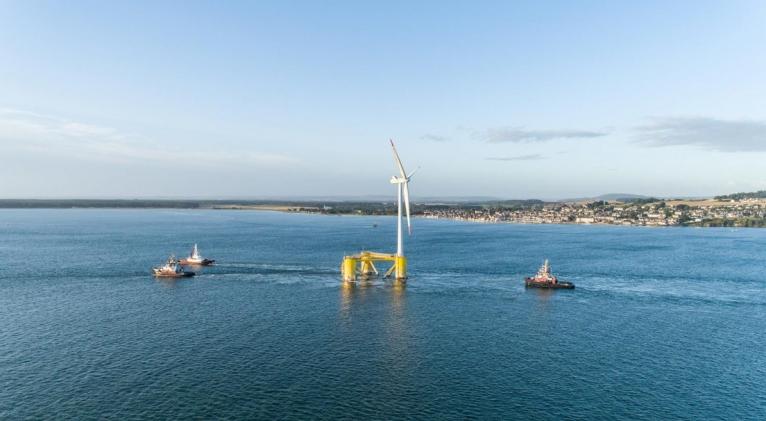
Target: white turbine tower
363,262
402,186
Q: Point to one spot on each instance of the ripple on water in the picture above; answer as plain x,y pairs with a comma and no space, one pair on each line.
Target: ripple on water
664,324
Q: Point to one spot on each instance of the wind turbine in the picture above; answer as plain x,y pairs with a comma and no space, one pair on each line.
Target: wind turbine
402,182
363,262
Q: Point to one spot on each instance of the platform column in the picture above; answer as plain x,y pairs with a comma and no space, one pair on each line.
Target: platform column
348,268
401,267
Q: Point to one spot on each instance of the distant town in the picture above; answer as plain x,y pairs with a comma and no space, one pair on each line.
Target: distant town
734,210
741,213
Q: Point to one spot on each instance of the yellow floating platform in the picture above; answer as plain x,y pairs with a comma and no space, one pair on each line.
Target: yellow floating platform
363,264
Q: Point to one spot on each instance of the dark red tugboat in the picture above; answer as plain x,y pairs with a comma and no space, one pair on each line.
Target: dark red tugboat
195,259
544,279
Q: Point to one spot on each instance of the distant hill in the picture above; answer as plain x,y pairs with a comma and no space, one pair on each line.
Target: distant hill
622,197
454,199
761,194
371,198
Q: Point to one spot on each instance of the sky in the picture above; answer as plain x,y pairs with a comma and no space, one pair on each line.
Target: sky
299,99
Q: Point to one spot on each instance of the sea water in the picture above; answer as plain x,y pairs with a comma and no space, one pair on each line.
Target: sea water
665,323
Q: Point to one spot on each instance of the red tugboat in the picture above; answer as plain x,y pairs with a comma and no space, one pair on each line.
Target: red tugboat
195,259
544,279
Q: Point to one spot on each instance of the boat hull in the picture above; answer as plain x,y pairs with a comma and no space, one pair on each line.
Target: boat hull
203,262
174,275
531,283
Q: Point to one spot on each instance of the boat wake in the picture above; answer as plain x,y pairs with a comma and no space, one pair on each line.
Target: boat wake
234,268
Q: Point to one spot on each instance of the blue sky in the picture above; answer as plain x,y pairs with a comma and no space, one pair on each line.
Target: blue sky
507,99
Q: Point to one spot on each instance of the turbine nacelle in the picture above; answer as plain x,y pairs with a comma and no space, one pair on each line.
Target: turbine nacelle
398,180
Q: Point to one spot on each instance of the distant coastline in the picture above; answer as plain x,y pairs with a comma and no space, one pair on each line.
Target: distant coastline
740,210
144,204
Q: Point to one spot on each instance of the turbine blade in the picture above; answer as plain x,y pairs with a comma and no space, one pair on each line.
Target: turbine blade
413,172
398,161
407,205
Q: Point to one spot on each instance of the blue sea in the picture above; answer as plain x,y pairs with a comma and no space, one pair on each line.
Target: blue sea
665,323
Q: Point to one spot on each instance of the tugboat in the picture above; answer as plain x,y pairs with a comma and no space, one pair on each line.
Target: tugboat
544,279
195,259
171,269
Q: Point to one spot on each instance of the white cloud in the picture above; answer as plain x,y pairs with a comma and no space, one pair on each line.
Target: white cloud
709,133
530,157
434,137
519,135
57,136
